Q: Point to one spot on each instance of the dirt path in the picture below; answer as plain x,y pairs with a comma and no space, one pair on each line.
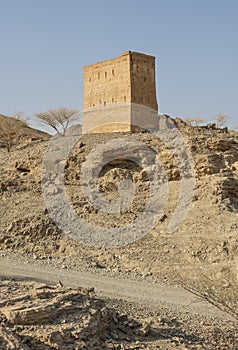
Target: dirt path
155,295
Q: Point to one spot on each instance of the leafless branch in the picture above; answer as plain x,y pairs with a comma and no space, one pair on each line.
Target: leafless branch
59,119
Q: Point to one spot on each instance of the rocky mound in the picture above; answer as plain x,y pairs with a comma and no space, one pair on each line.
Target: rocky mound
37,316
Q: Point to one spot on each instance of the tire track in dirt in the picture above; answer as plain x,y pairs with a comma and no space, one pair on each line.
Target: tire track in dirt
154,295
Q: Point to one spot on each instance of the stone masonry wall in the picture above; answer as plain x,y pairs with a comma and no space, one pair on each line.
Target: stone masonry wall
143,90
107,82
128,79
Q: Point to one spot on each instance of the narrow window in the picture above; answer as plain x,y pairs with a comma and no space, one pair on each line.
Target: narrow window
93,105
113,99
124,98
105,74
144,79
90,79
98,75
113,72
104,103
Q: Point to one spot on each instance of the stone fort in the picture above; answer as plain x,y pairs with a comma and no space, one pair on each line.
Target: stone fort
120,94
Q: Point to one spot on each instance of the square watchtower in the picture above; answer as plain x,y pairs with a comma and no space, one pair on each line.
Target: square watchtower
116,90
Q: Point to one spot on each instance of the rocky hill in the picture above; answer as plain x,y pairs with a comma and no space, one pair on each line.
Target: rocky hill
17,131
201,254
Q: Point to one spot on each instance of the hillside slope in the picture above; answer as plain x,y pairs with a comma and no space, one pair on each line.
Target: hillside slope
209,232
202,253
19,130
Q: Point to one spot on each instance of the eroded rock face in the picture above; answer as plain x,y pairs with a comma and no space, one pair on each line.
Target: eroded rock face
39,316
46,317
26,226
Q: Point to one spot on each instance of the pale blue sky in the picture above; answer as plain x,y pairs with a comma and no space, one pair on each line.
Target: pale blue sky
44,45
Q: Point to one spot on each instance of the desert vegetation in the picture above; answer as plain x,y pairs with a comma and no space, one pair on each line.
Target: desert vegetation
59,119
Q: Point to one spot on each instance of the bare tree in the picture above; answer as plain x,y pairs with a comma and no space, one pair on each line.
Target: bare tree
221,120
190,121
199,121
8,132
59,119
20,116
195,121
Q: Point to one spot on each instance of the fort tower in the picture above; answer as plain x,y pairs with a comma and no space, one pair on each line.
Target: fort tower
114,91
